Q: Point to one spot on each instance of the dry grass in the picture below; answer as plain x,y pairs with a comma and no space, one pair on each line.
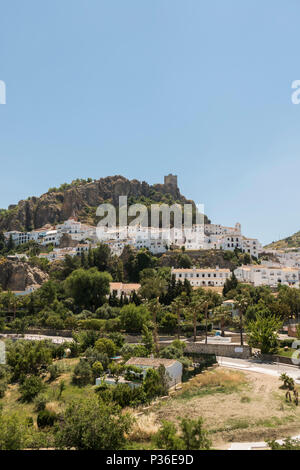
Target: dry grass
144,428
210,382
217,378
236,406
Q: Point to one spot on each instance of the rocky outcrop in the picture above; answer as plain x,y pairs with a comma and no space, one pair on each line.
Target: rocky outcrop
81,199
17,275
67,241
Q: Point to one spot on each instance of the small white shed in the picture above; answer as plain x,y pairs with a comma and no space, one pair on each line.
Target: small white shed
172,366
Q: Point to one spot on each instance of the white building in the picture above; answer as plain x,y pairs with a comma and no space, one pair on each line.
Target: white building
200,277
44,236
214,229
77,230
173,367
260,275
19,238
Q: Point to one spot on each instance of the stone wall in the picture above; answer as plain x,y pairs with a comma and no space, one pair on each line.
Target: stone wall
226,350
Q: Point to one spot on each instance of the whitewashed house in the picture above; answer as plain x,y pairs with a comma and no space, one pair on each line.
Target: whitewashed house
201,277
260,275
173,367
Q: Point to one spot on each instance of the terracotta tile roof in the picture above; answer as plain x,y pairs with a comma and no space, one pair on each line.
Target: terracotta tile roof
125,287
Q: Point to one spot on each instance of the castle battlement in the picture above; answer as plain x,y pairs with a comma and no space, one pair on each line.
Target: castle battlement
171,180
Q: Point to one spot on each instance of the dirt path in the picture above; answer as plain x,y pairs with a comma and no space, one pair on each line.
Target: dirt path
257,411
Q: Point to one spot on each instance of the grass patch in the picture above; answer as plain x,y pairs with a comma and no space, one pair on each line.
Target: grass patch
274,421
144,428
232,424
211,382
286,353
12,404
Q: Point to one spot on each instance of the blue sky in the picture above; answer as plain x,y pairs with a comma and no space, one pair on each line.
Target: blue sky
143,88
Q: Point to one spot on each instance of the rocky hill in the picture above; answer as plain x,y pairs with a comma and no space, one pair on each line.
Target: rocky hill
81,199
17,275
290,242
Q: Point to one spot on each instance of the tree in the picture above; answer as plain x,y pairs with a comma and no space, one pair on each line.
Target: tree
167,439
133,318
156,382
82,374
102,257
152,288
97,369
192,436
28,357
106,346
147,339
263,333
230,284
93,425
88,288
242,302
291,297
154,306
116,370
169,323
177,306
194,309
13,432
223,315
184,261
31,387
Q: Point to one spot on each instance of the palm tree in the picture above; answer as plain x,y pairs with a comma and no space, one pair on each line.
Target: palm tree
177,305
210,300
193,308
154,307
201,302
152,289
242,302
223,315
205,305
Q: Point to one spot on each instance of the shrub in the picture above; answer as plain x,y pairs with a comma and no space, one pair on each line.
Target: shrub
92,355
106,346
287,444
125,396
3,388
31,387
93,425
97,369
83,374
46,418
192,436
54,372
155,382
288,382
40,402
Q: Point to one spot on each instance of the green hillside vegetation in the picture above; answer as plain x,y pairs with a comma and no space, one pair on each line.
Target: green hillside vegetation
290,242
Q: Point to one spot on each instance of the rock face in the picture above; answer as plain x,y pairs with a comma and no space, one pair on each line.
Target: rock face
81,199
16,275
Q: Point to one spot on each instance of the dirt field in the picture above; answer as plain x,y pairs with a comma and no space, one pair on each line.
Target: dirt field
236,407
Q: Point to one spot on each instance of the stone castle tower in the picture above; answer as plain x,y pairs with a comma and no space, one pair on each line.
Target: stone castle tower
171,181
